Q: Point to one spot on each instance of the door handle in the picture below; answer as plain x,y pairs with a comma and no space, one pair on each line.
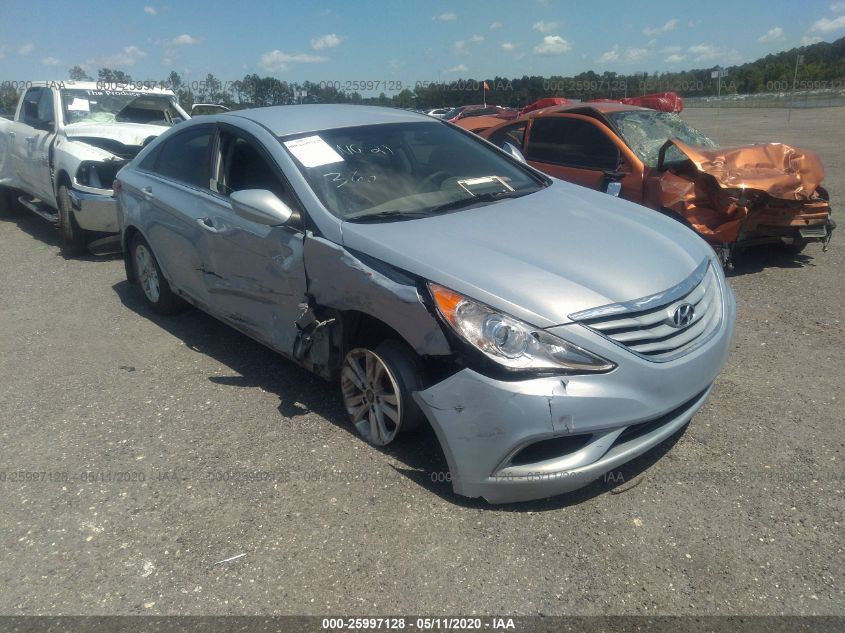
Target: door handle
148,192
207,224
12,136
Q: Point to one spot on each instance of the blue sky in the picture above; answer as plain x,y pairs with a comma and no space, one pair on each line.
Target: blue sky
401,40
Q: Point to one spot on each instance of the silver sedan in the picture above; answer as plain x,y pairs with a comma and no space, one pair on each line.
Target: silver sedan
547,333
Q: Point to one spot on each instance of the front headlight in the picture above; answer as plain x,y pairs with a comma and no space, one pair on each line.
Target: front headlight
510,342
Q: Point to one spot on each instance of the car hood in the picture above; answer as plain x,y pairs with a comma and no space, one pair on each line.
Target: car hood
782,171
125,133
543,256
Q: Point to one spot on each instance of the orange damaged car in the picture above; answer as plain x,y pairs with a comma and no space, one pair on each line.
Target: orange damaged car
733,197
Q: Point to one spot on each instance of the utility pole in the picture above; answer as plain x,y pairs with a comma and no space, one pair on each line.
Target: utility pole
799,59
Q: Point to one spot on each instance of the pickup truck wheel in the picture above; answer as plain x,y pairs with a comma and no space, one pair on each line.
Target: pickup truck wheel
74,241
377,385
8,202
156,290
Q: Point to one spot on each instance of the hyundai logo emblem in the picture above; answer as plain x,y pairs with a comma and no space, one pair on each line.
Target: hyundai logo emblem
683,315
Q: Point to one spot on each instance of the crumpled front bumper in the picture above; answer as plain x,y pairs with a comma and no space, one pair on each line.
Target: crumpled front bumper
94,212
484,424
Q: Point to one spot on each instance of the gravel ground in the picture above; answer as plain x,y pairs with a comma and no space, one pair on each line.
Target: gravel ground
740,514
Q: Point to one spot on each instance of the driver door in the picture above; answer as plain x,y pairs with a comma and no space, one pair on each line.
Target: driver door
33,135
582,150
254,275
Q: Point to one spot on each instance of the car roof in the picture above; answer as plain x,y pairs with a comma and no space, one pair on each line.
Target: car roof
297,119
598,106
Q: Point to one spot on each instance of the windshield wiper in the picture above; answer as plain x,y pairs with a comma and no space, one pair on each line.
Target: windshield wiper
491,196
387,215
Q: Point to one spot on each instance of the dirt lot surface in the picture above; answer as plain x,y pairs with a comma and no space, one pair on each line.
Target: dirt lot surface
142,429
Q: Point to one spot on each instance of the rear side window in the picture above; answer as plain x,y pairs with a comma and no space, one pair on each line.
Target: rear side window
571,142
513,134
184,157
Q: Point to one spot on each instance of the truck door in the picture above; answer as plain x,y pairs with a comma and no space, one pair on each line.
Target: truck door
34,132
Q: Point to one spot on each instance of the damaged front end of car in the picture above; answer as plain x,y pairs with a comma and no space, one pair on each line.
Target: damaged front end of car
737,197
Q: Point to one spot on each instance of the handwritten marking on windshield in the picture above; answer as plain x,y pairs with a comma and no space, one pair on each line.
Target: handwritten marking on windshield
342,180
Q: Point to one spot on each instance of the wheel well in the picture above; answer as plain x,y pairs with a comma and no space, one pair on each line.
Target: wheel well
128,235
364,330
63,179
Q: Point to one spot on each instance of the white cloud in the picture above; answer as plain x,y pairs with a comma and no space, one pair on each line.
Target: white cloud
675,58
52,61
495,25
463,47
671,49
150,10
826,25
446,16
838,7
460,68
709,53
553,45
26,49
508,47
807,40
703,52
2,52
277,60
544,27
772,35
670,25
127,56
184,40
609,56
330,40
633,55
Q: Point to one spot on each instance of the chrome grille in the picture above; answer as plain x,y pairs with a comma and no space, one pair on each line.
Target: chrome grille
647,326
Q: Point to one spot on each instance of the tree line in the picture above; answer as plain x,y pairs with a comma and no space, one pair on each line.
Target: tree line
823,66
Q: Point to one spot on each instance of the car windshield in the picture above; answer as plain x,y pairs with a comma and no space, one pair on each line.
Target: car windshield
119,106
397,171
646,132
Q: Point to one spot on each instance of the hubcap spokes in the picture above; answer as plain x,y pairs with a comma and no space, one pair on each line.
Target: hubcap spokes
370,394
147,273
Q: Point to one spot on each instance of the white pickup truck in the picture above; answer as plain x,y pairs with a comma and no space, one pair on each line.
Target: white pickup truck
61,152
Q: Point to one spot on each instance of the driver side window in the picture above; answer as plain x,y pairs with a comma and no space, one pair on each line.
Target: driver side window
29,107
243,166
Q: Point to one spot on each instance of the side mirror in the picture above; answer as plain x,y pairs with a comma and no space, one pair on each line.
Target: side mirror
513,150
260,206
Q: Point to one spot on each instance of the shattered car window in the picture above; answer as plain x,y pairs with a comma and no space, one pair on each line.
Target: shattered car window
646,132
110,106
401,169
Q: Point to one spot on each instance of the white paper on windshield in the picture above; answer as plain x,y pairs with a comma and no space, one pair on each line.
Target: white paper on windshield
313,151
79,105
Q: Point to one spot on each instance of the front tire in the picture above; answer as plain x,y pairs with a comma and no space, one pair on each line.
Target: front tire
377,385
74,239
148,275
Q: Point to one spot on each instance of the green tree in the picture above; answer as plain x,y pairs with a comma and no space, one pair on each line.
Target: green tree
77,73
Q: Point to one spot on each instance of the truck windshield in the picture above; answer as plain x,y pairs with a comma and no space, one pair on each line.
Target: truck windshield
398,171
119,106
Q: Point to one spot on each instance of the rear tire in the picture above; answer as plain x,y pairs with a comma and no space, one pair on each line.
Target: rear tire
377,387
74,239
797,247
147,274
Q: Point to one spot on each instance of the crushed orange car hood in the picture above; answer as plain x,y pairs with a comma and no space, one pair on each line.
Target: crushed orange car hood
714,206
779,170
